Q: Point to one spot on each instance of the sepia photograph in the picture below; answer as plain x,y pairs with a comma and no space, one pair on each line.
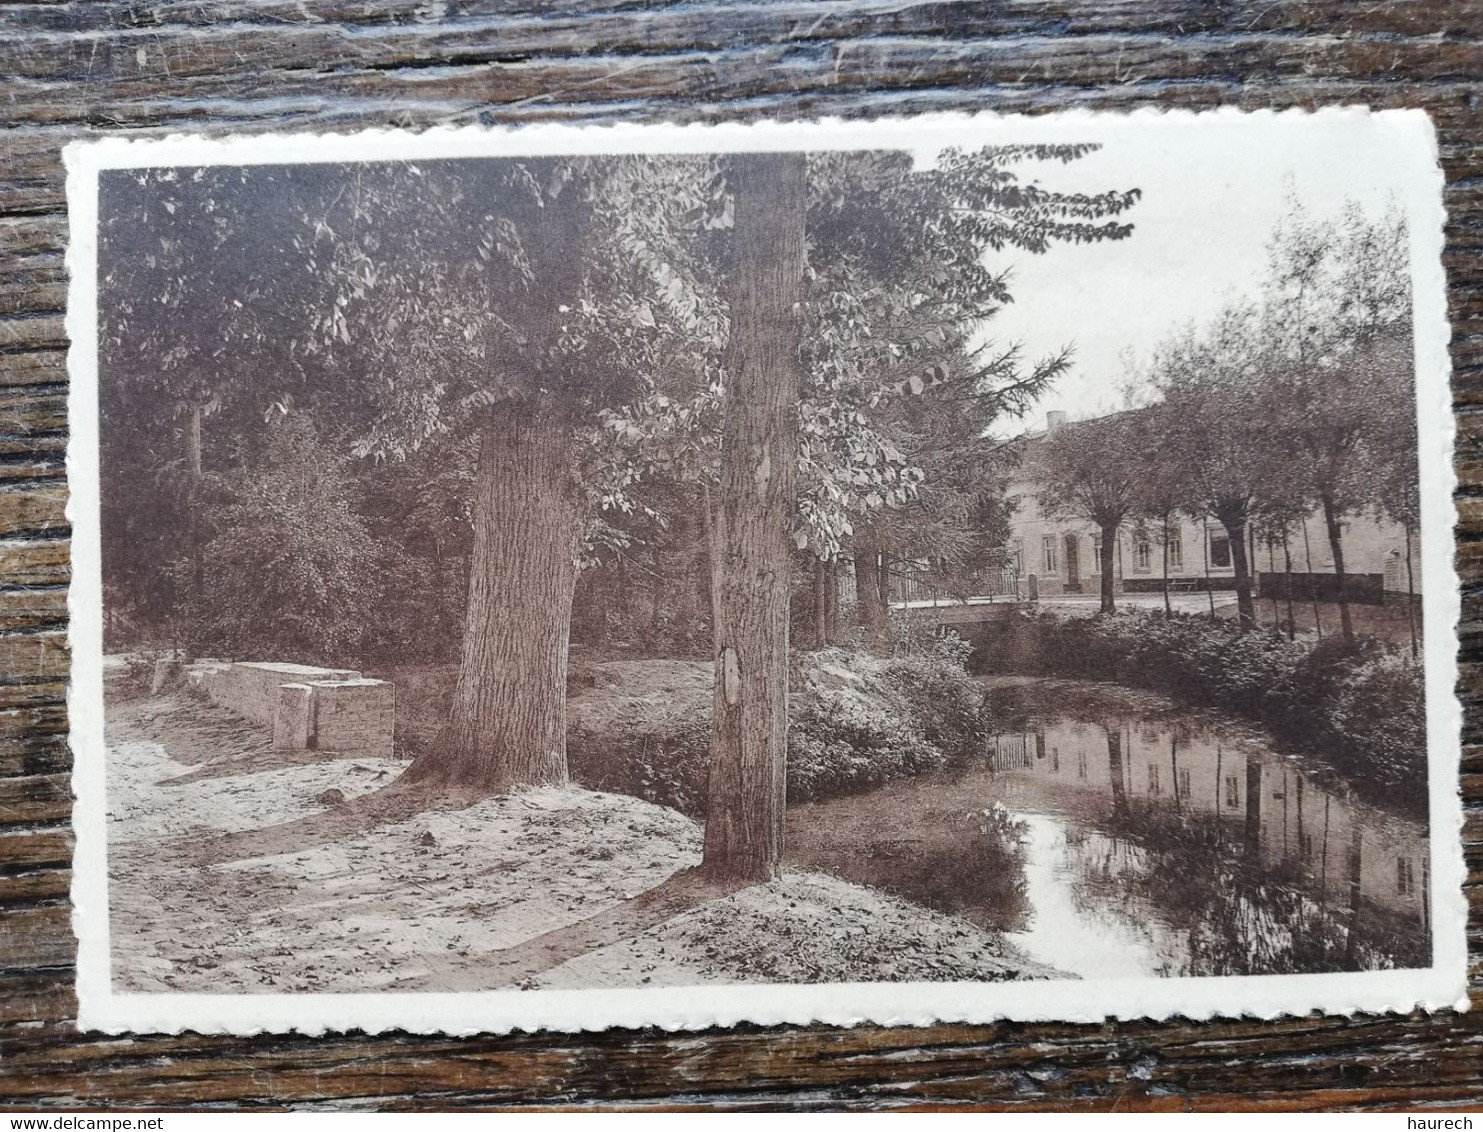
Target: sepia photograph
952,568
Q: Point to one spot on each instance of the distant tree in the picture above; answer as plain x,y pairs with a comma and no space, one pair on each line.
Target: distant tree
1218,437
1337,327
1161,494
293,565
1089,470
198,274
1294,400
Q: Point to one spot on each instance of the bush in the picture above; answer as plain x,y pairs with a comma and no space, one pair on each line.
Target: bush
841,744
856,721
1361,707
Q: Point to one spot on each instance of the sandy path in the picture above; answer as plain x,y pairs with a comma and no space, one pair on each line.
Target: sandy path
225,878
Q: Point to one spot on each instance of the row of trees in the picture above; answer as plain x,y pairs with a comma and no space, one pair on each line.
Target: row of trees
1299,402
329,381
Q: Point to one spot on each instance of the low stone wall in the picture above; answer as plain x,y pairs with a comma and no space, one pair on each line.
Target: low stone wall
306,708
250,688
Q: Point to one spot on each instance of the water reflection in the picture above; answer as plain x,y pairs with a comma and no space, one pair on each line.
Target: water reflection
1153,842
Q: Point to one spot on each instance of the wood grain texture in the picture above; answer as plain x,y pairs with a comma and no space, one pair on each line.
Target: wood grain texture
79,69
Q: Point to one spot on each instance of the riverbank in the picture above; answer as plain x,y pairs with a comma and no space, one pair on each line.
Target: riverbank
299,875
1358,707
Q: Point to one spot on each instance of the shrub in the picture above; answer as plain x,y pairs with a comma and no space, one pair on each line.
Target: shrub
841,743
856,721
667,769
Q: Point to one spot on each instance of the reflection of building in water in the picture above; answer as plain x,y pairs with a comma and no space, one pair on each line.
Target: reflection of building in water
1347,851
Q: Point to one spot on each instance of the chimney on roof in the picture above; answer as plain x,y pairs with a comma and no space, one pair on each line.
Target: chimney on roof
1054,420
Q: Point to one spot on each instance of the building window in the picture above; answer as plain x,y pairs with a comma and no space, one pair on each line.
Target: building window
1305,846
1142,554
1233,791
1048,546
1182,788
1220,551
1153,778
1096,553
1176,547
1017,554
1405,878
1081,764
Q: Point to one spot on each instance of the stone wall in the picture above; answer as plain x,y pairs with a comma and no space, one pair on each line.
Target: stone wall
324,709
250,689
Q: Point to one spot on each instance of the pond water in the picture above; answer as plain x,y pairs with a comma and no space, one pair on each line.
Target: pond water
1110,834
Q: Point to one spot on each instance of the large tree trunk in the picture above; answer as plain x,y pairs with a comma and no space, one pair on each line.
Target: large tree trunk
759,439
1336,545
1234,521
870,605
508,723
1109,534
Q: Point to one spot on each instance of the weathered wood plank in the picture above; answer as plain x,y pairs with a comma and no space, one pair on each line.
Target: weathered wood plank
603,23
128,92
47,367
35,562
28,509
39,935
35,800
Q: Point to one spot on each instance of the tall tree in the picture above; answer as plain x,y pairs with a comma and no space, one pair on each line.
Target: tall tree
749,728
574,295
902,286
1161,495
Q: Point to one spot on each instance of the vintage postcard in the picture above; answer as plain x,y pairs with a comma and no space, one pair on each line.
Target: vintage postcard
952,568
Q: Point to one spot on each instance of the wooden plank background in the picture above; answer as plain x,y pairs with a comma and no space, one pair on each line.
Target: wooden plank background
80,69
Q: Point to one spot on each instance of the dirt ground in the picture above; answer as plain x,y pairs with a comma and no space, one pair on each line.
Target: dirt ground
236,868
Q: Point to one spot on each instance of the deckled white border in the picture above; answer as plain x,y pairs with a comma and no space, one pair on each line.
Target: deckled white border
1411,138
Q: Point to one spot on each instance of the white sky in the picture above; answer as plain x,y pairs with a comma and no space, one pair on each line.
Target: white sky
1212,190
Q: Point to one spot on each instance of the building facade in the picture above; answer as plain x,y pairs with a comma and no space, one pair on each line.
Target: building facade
1055,554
